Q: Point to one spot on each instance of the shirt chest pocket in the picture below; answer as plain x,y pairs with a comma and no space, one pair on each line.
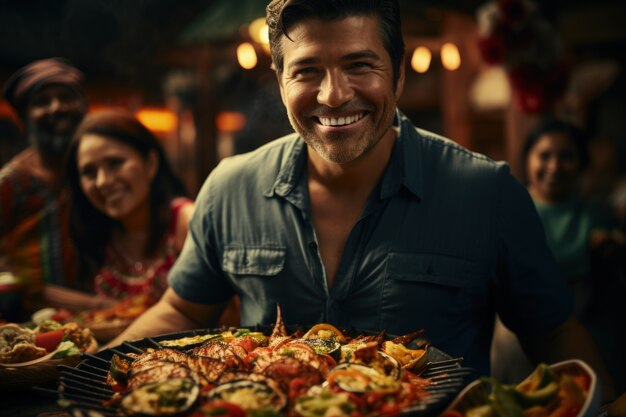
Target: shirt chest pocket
434,269
419,285
254,260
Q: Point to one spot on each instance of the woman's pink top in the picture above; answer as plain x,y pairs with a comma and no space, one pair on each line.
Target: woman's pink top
122,278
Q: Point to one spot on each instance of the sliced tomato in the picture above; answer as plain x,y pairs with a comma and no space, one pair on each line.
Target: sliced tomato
583,381
347,374
330,360
247,342
49,340
62,316
298,345
373,399
388,408
222,408
451,413
566,410
297,388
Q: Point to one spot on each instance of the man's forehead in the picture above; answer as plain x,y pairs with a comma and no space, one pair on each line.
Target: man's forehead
52,89
336,33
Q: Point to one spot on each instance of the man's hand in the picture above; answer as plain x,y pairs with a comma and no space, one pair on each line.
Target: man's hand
171,314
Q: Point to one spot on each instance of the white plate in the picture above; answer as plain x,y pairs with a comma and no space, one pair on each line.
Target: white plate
573,366
29,363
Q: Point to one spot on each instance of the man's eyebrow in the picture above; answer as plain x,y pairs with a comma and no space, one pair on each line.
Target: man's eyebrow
368,53
365,54
303,61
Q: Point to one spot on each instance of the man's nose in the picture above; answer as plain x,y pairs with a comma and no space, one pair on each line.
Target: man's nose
55,104
335,89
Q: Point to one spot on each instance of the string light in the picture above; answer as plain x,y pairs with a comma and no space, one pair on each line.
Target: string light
246,55
420,61
157,119
450,56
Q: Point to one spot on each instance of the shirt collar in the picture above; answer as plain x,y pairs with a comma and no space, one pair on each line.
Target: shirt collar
291,171
404,168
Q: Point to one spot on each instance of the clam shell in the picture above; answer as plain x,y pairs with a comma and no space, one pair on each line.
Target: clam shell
378,381
146,400
249,395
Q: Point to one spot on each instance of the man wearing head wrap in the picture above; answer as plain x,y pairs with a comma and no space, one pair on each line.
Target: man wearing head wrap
34,239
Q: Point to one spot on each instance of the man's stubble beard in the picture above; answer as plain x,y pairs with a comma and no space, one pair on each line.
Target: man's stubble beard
47,143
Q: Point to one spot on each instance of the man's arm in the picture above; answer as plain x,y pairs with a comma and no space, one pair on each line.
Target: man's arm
171,314
570,341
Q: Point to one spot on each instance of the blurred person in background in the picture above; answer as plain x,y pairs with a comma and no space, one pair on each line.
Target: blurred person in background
129,211
34,235
583,237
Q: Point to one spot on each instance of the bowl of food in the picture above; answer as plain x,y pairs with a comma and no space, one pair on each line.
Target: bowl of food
30,356
109,322
568,389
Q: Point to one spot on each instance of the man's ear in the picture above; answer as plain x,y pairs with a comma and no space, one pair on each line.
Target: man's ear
280,86
401,77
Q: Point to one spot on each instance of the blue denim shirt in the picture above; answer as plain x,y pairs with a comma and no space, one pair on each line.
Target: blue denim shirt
446,239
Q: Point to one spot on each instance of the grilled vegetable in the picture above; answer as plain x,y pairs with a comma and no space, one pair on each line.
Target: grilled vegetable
249,395
169,397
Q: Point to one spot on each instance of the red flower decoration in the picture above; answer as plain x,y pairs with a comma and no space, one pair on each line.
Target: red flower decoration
492,49
537,89
514,35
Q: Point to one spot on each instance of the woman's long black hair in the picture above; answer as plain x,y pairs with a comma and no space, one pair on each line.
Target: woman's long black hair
91,229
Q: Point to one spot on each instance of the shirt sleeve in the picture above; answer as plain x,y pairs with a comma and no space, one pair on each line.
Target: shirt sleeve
197,275
531,296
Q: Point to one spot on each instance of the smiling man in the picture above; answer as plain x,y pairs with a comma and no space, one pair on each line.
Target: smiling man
360,219
34,238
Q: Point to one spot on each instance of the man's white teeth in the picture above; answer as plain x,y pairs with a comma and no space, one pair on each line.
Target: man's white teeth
341,121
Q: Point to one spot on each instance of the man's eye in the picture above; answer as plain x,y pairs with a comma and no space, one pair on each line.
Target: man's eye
305,71
66,97
41,101
361,65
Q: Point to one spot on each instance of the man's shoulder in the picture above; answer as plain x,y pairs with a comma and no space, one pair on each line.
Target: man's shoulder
268,158
20,165
255,170
434,144
446,159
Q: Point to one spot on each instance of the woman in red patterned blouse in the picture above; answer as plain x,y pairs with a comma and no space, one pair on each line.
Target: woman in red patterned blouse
129,211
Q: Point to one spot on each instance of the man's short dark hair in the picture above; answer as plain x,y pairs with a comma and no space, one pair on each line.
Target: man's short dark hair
282,15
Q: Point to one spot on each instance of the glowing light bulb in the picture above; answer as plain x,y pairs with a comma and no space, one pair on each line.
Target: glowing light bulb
246,55
420,61
450,56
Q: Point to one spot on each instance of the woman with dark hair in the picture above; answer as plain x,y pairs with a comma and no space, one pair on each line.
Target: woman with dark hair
580,235
554,156
129,211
